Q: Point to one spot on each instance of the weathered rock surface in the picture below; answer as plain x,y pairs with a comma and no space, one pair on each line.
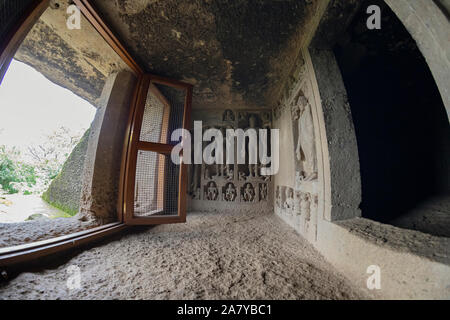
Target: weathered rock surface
236,53
65,190
224,255
79,60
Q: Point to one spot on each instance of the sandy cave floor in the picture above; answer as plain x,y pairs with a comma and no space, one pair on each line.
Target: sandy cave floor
213,256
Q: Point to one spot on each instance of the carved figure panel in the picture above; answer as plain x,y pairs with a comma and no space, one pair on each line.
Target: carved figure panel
297,202
289,202
305,206
228,115
278,200
229,192
263,192
232,182
305,144
248,193
211,191
195,181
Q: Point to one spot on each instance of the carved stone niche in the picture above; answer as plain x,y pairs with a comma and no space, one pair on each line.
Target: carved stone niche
253,120
248,193
297,202
194,190
289,202
266,120
260,176
251,173
278,198
304,139
229,192
263,192
282,196
228,172
211,192
305,206
309,206
232,183
314,205
242,119
228,115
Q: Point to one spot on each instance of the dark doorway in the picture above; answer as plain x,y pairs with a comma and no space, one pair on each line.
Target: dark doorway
401,125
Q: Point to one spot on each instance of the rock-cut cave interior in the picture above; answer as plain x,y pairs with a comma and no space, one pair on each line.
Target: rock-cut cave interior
354,97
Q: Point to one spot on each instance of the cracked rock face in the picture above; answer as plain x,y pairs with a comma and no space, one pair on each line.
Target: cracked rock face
78,60
227,49
236,53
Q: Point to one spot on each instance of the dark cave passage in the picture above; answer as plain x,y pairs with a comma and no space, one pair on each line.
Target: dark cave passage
401,126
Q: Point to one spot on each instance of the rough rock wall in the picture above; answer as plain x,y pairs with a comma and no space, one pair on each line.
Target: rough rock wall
99,195
65,190
234,52
428,24
79,60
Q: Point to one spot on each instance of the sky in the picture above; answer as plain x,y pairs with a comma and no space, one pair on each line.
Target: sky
31,107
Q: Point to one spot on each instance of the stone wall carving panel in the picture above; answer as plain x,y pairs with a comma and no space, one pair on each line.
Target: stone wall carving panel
231,186
298,204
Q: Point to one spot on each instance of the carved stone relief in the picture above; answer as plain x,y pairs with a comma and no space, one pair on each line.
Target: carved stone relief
298,107
305,148
263,192
231,183
305,206
248,193
211,191
229,192
288,205
297,207
228,115
278,200
296,204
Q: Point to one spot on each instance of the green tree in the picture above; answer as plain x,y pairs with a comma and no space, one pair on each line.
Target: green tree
15,175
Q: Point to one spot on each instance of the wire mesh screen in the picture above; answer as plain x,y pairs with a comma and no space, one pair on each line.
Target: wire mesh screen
149,184
156,186
10,12
157,177
171,187
153,121
176,99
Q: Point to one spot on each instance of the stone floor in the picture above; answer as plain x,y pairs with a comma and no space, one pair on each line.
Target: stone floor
432,216
213,256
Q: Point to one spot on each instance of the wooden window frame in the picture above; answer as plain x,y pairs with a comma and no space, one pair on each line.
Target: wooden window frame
162,148
17,255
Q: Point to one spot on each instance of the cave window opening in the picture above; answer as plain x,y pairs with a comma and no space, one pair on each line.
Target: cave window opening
39,130
401,126
50,96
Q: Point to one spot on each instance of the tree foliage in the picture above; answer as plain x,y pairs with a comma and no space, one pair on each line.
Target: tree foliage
14,174
33,170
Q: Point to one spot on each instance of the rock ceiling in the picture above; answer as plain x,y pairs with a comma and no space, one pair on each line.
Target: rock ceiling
236,53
